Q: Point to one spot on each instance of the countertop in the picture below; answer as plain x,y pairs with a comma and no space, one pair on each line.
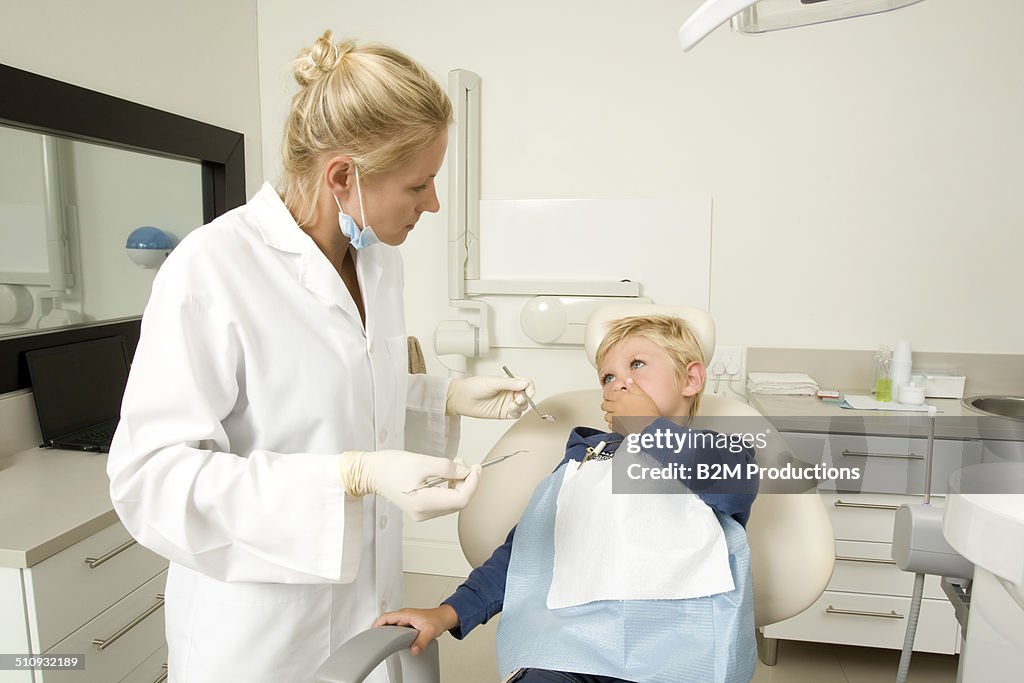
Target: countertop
49,500
954,421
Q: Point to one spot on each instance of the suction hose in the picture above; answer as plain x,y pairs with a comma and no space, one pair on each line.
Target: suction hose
908,637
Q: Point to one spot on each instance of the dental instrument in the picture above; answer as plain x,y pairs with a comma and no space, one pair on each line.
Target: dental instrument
592,453
543,416
441,480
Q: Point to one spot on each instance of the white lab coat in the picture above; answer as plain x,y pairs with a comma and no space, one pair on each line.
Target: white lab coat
252,374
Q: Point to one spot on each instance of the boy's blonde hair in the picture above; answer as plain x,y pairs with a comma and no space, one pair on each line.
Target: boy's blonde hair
669,333
370,102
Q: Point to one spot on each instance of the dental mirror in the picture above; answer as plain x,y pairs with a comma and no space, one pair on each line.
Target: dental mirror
543,416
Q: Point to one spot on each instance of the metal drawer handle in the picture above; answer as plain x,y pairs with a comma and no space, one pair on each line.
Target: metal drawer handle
94,562
893,614
864,559
103,643
872,506
902,456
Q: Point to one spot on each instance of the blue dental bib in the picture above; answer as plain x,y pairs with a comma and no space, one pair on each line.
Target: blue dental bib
698,640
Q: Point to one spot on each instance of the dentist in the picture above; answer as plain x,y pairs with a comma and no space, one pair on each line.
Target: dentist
269,395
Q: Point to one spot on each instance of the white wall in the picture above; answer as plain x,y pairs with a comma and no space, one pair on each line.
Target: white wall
193,58
865,174
837,155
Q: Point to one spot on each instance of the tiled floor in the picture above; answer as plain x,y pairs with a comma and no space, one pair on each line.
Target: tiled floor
472,660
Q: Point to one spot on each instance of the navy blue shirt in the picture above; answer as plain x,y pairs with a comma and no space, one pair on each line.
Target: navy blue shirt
482,594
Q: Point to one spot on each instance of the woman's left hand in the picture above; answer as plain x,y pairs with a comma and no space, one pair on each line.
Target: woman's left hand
493,398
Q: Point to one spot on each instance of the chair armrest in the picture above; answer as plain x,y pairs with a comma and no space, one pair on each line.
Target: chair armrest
363,652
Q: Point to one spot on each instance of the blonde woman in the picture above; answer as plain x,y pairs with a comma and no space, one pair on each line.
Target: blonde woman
269,395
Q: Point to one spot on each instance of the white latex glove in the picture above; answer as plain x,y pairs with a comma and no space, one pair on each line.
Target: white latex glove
494,398
392,473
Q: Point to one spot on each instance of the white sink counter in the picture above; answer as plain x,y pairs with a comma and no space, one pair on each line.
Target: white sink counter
51,499
954,421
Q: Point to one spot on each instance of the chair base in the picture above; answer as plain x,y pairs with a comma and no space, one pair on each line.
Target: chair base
767,648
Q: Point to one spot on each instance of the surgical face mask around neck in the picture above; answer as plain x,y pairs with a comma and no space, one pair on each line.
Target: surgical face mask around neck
358,238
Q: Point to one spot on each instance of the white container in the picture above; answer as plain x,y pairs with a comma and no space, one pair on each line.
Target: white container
940,384
900,367
911,394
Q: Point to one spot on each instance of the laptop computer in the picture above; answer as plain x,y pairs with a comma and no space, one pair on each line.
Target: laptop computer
78,389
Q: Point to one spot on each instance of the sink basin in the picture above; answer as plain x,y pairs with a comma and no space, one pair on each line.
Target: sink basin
984,520
1011,407
988,530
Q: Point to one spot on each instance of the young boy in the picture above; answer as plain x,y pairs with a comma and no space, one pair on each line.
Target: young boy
599,587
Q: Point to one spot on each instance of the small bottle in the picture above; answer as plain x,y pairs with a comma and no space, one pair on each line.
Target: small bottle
883,375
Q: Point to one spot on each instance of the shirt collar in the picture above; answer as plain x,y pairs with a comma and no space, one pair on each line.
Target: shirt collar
275,222
588,436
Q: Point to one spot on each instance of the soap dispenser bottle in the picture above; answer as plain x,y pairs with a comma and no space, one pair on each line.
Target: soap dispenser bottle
883,374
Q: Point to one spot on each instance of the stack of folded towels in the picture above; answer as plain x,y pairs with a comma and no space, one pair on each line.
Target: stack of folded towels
790,383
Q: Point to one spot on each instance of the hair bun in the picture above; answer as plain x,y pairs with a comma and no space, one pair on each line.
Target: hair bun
320,59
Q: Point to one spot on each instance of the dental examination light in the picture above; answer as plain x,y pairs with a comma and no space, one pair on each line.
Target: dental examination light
761,16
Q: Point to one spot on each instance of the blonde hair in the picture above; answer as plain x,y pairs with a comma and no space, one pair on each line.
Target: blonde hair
370,102
670,333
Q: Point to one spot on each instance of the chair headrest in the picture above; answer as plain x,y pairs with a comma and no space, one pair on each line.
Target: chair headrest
697,319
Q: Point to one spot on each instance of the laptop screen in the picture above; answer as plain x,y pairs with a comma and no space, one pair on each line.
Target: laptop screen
79,385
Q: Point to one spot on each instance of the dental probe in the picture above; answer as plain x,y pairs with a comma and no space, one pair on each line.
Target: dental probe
441,480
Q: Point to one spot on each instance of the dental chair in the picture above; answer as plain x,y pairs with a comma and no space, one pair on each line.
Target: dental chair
792,545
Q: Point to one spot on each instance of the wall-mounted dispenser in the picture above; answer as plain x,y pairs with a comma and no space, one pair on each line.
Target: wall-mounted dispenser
148,246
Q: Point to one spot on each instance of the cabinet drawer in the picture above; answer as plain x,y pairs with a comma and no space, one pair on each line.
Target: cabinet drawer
807,448
871,621
866,516
133,630
869,568
70,588
896,464
153,670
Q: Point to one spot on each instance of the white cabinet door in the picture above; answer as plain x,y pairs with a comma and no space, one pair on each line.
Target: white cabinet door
131,631
871,621
13,636
153,670
896,464
70,588
863,567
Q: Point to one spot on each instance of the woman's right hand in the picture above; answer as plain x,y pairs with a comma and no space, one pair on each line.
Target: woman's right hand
429,622
394,474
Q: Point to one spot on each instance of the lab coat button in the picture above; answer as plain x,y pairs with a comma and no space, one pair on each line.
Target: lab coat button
383,605
383,523
383,435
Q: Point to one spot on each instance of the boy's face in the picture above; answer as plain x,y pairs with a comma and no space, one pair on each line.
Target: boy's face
642,362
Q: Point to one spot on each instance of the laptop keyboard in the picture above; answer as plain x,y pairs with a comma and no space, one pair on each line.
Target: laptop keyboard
100,436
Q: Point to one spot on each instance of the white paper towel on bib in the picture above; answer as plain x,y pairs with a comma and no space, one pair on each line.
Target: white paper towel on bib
655,546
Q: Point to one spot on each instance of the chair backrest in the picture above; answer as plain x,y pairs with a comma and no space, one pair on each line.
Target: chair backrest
791,540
